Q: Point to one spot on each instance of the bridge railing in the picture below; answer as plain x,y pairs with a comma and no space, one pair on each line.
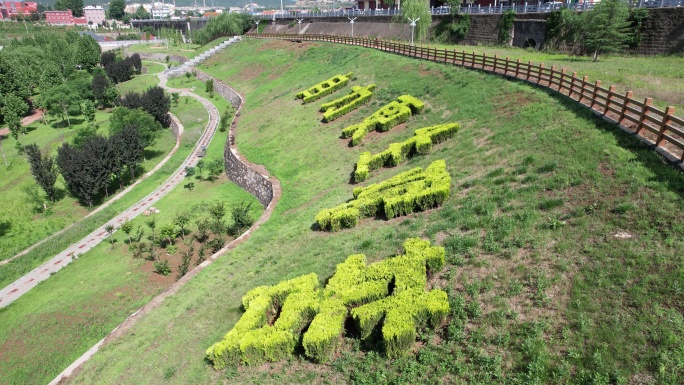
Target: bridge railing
523,7
660,128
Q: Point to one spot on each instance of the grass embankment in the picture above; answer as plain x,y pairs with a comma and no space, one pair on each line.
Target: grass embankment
187,50
153,68
64,316
22,223
657,77
545,286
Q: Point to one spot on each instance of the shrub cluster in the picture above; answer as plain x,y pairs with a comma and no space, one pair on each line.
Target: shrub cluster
363,289
413,190
338,107
326,87
393,114
420,144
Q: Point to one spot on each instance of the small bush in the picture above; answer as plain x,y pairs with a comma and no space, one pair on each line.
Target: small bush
162,267
358,97
384,119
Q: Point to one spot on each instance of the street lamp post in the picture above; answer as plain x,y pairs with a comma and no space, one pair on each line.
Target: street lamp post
299,23
413,26
351,20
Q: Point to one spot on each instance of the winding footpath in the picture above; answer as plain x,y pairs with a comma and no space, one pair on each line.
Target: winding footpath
16,289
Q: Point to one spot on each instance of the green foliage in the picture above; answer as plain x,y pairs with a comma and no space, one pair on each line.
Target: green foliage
607,28
637,18
338,107
142,121
391,115
453,30
324,88
162,267
413,190
253,340
505,26
417,9
420,144
226,24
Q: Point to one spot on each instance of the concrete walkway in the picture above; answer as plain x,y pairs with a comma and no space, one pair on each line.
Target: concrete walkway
16,289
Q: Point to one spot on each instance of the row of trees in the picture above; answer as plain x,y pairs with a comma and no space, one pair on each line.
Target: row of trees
120,70
92,164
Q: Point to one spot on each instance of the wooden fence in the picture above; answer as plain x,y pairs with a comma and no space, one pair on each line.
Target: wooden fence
657,127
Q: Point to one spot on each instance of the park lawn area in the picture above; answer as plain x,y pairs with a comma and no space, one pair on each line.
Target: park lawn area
543,284
187,50
65,315
658,77
153,68
23,223
193,125
139,84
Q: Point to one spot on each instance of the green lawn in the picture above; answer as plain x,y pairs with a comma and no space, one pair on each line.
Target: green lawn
59,318
139,83
544,285
23,225
187,50
658,77
153,68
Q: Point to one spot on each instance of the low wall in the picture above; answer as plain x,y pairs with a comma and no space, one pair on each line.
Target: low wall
663,32
175,125
252,178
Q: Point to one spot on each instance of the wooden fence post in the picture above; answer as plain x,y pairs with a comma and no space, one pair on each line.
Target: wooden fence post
648,102
506,67
623,110
572,84
611,90
585,80
539,76
529,66
517,67
663,125
593,94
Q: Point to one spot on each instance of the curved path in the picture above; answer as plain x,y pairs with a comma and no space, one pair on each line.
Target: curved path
22,285
173,289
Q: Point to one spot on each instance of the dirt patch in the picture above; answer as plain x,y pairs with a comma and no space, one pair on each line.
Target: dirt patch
251,72
291,46
507,105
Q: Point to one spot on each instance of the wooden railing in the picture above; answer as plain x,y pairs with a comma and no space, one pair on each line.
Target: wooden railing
657,127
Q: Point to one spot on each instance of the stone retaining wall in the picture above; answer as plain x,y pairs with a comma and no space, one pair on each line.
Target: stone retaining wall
252,178
158,57
175,125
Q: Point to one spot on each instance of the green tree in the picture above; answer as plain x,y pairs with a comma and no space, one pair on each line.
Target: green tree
43,169
607,28
200,166
59,100
14,108
215,168
182,220
89,111
110,231
127,227
145,124
117,9
168,232
152,224
141,13
417,9
87,54
76,6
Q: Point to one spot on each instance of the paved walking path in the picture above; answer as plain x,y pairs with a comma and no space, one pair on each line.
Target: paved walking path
16,289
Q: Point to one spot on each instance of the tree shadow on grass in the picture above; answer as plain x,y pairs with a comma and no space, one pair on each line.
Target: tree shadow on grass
5,227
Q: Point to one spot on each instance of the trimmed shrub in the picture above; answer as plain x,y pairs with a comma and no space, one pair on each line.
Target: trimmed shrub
396,153
363,288
384,119
338,107
413,190
324,333
324,88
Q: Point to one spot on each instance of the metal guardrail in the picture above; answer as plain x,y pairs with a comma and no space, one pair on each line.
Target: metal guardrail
446,10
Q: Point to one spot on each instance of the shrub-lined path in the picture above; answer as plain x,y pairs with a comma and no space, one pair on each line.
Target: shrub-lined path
22,285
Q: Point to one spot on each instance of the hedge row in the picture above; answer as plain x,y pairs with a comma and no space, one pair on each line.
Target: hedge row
363,288
420,144
393,114
338,107
413,190
323,88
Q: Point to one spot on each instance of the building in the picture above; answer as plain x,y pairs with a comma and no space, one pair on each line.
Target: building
12,9
59,17
94,14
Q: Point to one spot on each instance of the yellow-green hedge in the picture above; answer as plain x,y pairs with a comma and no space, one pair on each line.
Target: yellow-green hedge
324,88
362,288
413,190
338,107
391,115
420,144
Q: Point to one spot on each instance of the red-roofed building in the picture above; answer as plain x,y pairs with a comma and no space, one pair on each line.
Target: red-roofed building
12,9
59,17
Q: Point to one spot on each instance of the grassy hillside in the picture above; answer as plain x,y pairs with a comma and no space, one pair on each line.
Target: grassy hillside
563,234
